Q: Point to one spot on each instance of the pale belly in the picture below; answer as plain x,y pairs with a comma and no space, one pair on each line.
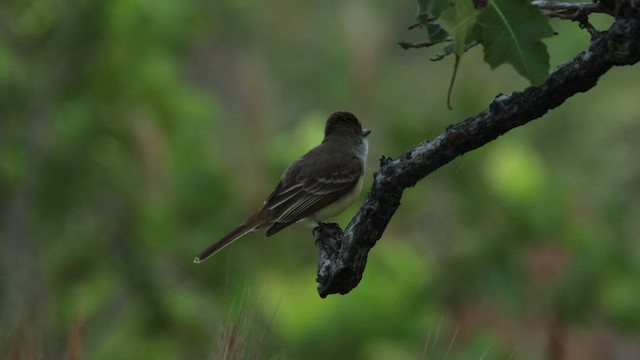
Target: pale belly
335,208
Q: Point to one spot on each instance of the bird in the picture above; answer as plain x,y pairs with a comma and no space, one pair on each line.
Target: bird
319,185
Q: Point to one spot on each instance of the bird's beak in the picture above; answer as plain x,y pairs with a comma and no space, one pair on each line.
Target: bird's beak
365,132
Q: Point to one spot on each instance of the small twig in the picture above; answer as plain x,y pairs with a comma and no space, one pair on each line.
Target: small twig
418,25
467,47
453,79
407,45
585,24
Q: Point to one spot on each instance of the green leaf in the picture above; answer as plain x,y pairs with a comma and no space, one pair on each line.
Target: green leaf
436,33
459,20
428,9
512,33
431,8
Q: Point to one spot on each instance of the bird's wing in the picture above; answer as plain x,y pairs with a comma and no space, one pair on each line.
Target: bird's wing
301,192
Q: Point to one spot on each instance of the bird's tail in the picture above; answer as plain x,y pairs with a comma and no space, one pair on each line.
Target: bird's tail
253,223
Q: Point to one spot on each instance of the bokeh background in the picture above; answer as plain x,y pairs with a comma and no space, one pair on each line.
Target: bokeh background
134,133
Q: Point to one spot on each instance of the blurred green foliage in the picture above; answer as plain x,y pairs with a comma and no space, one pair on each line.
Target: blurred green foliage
134,133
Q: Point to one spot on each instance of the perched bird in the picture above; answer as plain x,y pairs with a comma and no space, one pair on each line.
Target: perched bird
319,185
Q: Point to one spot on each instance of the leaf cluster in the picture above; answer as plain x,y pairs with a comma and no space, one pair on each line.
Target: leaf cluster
510,31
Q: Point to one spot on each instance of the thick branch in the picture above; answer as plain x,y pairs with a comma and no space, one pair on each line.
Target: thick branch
343,256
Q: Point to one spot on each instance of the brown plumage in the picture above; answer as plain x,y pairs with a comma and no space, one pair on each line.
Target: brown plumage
319,185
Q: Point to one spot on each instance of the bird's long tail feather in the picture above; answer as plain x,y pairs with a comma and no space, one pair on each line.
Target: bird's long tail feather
251,224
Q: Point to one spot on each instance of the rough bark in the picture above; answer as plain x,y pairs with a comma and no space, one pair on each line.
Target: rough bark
343,255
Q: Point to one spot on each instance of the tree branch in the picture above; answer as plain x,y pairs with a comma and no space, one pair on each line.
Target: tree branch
568,10
574,11
343,256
